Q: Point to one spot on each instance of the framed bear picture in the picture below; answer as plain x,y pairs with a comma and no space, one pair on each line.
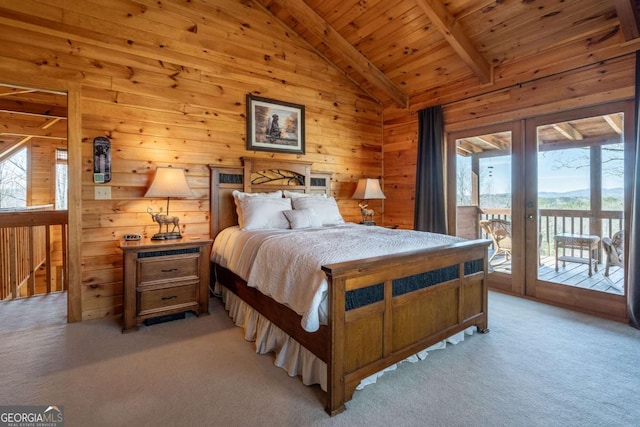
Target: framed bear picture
274,126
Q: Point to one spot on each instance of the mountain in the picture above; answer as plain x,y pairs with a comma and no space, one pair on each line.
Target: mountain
617,192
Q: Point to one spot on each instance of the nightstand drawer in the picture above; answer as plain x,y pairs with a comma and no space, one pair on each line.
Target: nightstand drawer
161,299
155,269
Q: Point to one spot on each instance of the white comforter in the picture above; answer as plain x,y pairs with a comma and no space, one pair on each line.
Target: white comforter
285,264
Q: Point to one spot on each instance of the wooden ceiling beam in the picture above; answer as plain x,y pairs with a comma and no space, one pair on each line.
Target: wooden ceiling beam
629,18
568,131
461,151
615,122
586,142
10,91
32,108
468,146
485,141
450,28
36,132
341,47
29,135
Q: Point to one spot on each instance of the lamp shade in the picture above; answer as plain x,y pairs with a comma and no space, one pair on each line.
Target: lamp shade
169,182
368,189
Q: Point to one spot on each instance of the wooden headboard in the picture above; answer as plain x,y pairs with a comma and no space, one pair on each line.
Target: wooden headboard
258,176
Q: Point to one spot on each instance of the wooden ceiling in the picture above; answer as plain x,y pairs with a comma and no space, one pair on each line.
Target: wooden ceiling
29,115
599,130
404,52
408,53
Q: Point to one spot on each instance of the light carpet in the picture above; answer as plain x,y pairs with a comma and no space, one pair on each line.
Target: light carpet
539,366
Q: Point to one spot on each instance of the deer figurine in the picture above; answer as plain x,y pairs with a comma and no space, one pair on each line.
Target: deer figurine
367,214
162,219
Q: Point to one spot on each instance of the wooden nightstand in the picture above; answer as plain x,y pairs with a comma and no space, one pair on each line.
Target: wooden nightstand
164,277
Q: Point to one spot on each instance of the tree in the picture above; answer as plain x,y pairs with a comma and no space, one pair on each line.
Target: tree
612,157
13,180
463,181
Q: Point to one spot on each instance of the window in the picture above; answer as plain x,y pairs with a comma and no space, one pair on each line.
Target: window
13,180
61,178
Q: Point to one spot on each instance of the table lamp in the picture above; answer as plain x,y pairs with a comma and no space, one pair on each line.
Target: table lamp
367,189
168,182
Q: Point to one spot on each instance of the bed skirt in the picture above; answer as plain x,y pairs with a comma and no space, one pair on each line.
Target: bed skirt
293,357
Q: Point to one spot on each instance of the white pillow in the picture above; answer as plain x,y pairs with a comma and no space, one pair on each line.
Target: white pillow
264,212
303,218
238,196
296,195
325,208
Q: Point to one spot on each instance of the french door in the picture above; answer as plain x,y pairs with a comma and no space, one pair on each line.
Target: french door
556,189
577,193
483,170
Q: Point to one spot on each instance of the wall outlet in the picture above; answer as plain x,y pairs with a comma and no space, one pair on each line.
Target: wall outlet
102,193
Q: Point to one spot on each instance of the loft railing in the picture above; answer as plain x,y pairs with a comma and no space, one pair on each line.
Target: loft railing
30,240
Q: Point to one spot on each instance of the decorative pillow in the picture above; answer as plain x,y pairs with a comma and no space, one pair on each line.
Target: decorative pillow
325,208
296,195
238,196
264,212
303,218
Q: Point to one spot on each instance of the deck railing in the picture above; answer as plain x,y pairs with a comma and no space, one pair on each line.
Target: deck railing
556,221
31,239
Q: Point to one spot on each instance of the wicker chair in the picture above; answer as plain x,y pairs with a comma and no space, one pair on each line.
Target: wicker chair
614,250
500,232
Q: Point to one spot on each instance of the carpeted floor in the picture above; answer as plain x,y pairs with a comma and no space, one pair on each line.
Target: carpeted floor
539,366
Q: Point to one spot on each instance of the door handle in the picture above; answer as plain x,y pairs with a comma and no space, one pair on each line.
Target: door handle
530,217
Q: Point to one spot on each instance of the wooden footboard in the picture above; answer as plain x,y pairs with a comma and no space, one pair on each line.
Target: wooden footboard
365,340
360,342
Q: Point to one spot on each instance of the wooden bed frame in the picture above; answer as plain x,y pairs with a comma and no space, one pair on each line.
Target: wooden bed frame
360,342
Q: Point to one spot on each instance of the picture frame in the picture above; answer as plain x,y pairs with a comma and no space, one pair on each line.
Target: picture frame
275,126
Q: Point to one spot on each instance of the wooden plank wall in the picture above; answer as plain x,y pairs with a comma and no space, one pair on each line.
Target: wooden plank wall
42,169
166,82
604,81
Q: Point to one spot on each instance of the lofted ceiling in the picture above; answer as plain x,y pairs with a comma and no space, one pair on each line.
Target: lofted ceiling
407,53
404,52
29,115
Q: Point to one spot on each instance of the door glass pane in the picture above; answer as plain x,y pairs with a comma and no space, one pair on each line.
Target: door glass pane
484,197
613,177
564,179
580,201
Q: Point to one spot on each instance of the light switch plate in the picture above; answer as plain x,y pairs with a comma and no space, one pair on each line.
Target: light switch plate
102,192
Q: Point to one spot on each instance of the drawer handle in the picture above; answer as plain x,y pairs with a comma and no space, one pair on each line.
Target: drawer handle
168,298
169,270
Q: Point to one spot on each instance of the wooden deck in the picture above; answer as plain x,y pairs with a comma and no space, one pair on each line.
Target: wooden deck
572,274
